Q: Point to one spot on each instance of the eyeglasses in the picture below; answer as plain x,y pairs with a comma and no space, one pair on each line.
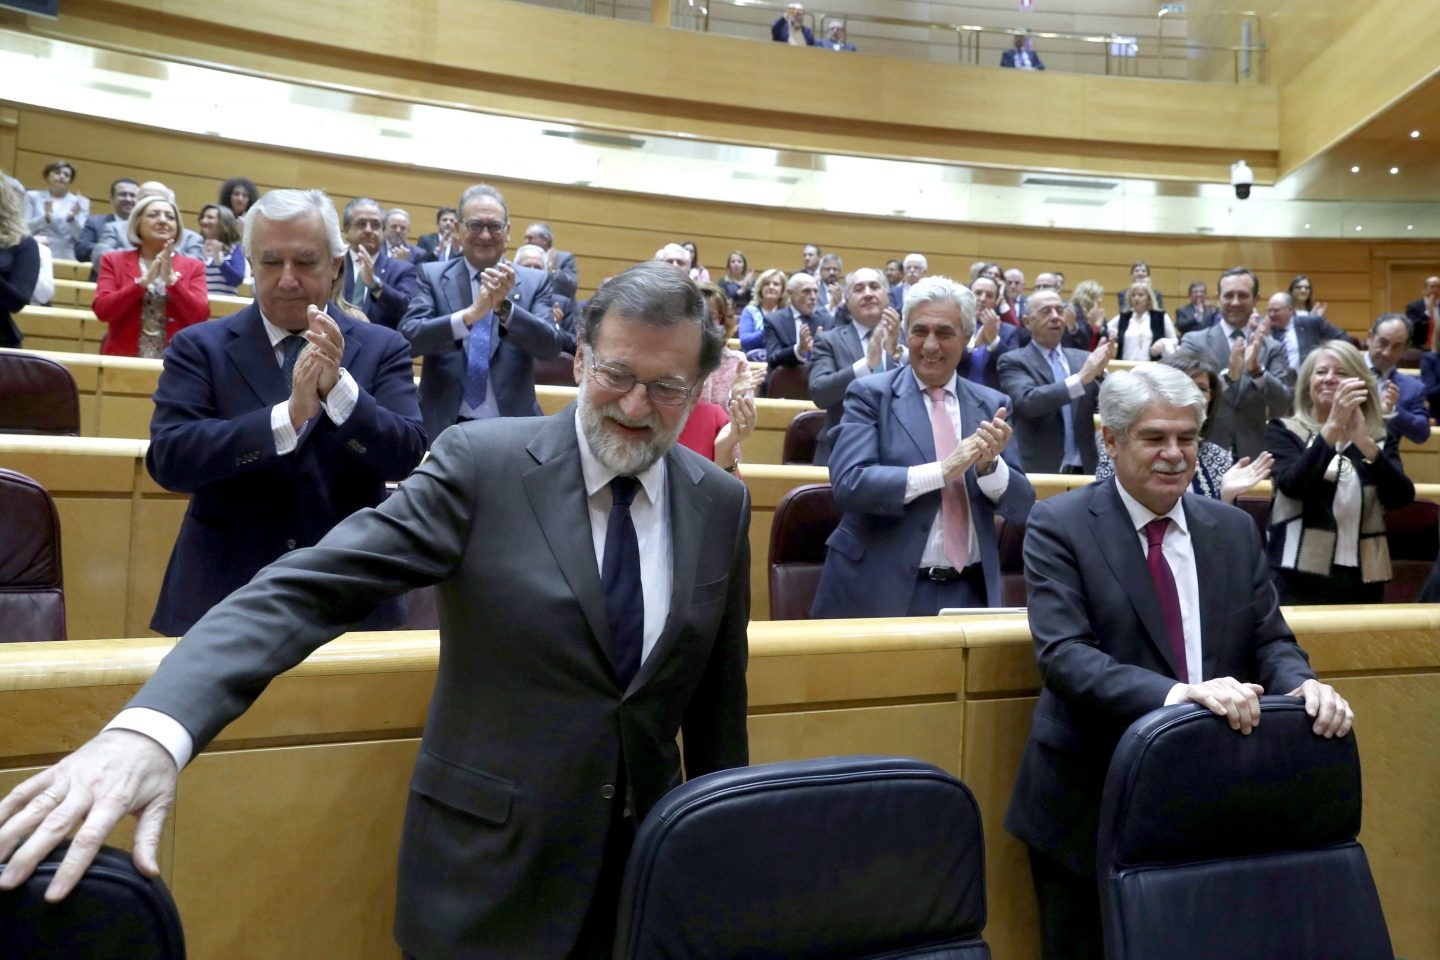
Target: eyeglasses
481,226
663,392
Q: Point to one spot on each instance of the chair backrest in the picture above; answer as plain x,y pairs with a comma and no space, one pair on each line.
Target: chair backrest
114,913
800,435
32,595
789,383
556,372
1259,510
804,519
845,857
1216,844
1413,534
1010,543
37,395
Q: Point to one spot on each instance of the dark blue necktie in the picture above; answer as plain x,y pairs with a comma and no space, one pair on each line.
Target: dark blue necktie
291,345
620,576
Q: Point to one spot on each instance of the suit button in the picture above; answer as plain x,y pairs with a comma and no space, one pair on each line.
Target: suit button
607,791
289,544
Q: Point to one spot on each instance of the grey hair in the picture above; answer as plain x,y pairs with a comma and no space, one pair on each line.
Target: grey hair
525,248
797,278
132,225
670,249
850,278
1285,297
357,203
290,205
544,230
398,210
832,258
938,289
1126,393
918,258
656,294
480,191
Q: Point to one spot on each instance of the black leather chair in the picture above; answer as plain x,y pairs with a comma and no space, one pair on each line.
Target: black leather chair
1413,535
114,913
789,383
804,519
846,857
37,396
1213,844
801,433
32,582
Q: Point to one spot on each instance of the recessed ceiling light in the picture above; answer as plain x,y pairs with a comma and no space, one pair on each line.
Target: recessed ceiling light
1409,226
1307,226
1394,170
1358,228
1355,169
1414,134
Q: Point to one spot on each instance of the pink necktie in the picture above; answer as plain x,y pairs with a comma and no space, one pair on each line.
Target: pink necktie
954,504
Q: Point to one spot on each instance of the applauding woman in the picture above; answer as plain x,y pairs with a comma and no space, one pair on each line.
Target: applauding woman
224,260
19,262
55,214
150,293
1334,479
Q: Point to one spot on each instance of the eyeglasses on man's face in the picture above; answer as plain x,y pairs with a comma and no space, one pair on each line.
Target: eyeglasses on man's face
493,227
667,393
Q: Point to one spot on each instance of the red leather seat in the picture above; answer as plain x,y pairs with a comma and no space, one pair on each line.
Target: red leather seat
800,436
1413,535
804,519
559,372
1010,543
38,396
32,596
789,383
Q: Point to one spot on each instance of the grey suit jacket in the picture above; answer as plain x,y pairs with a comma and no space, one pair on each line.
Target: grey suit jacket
528,724
1026,376
832,370
1246,405
566,278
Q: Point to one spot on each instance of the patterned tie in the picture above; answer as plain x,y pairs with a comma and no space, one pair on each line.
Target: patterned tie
954,503
620,576
1067,412
1169,597
477,361
291,345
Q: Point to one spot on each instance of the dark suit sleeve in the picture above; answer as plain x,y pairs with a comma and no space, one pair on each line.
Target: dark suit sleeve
566,278
861,482
18,286
1410,420
397,286
778,353
427,329
384,430
89,234
533,329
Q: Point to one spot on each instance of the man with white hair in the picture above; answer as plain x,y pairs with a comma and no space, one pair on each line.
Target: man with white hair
560,264
790,332
675,255
1140,594
913,268
790,27
919,503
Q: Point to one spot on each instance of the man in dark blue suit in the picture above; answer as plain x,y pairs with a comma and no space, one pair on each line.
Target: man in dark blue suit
790,28
1022,55
444,243
790,332
123,194
272,459
377,283
918,530
1402,396
480,322
992,339
397,237
1111,647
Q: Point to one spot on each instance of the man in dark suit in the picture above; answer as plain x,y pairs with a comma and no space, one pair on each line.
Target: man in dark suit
1022,55
992,339
1120,630
1423,316
1298,335
868,345
1054,390
1197,314
560,264
272,462
1402,396
377,283
918,530
790,27
790,332
480,322
1255,381
444,243
123,194
572,656
397,237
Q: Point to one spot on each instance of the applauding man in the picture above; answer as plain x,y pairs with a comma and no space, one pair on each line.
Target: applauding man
869,345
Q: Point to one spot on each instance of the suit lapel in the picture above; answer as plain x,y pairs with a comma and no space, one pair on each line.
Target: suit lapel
851,338
250,351
1215,590
911,413
459,284
1120,546
347,328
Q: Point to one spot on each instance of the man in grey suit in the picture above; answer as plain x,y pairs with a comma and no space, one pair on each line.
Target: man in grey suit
1298,335
1255,382
1054,388
869,344
564,274
572,657
480,322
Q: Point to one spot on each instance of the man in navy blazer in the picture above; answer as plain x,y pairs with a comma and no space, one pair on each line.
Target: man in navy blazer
890,555
1298,335
1109,652
991,340
867,345
271,466
790,332
1402,396
474,301
790,27
444,243
397,237
377,283
1022,55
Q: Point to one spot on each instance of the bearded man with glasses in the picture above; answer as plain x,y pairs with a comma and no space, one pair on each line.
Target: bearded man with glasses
480,322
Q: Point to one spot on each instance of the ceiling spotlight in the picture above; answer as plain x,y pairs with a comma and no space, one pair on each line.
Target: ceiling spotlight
1307,226
1355,169
1394,170
1414,134
1358,228
1409,226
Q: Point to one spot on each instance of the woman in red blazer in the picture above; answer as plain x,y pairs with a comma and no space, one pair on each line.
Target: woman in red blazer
149,294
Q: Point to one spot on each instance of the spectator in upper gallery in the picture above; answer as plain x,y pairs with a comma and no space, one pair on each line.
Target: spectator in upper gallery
444,243
810,259
148,294
1142,331
832,285
115,234
19,262
739,280
790,27
1197,314
1085,316
224,258
1402,396
55,214
1302,293
675,255
1299,335
1423,314
1140,273
397,237
1022,55
1015,291
835,37
123,194
239,194
698,273
379,285
560,264
770,295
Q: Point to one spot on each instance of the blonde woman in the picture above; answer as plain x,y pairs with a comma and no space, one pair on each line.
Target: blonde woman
1334,478
1142,331
19,262
770,296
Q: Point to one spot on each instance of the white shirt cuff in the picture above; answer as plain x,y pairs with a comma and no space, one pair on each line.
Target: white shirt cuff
1073,384
342,399
861,368
994,485
286,436
1176,695
923,478
160,727
457,325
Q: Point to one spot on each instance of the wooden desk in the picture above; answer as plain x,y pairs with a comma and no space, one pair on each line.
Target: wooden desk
283,839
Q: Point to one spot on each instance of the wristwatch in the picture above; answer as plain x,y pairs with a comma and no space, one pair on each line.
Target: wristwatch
377,288
502,311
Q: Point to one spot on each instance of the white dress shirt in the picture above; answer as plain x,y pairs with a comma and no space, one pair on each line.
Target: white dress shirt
337,406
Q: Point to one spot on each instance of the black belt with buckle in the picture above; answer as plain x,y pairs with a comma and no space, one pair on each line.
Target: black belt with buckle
941,574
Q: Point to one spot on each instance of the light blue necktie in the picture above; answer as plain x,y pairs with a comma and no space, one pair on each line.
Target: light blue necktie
477,362
1066,411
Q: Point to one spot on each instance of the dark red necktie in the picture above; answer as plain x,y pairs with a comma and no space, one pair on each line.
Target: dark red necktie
1169,597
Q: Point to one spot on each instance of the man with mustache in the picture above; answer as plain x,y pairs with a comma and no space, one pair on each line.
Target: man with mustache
613,619
1123,623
